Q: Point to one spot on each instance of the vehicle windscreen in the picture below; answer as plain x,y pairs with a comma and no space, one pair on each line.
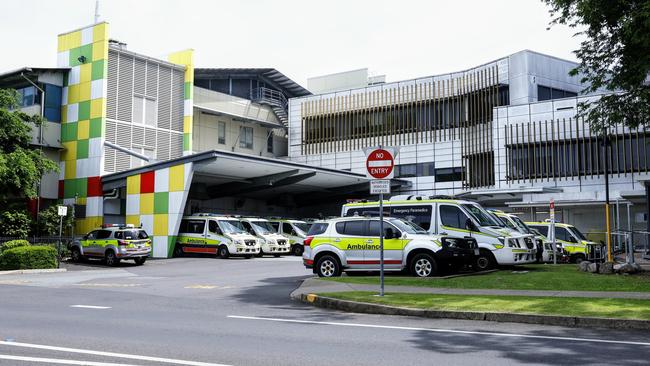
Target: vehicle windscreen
506,222
301,228
520,224
481,215
231,227
407,226
577,233
262,227
134,234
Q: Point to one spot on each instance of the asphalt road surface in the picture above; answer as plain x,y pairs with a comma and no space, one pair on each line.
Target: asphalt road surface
206,311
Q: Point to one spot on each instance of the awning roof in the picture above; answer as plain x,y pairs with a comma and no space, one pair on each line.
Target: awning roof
270,75
13,77
224,174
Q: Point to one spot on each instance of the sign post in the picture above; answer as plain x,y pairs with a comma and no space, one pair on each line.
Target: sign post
62,211
551,230
380,162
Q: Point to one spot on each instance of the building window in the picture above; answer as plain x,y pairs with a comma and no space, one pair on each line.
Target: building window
453,174
547,93
425,169
246,137
269,143
405,170
144,111
221,131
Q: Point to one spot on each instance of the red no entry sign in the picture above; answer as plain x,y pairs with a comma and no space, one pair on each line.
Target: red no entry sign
380,163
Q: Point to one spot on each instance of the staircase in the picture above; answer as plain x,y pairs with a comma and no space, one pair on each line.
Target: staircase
274,99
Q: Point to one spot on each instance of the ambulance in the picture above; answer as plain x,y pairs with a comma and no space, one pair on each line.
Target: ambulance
544,245
294,230
113,243
213,234
350,244
573,242
460,218
271,242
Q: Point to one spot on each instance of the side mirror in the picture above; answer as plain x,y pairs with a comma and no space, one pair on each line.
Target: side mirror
85,237
389,233
469,225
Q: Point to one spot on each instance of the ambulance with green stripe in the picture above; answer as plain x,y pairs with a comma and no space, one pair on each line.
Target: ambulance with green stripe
113,243
459,218
544,245
271,242
294,230
352,244
574,243
207,233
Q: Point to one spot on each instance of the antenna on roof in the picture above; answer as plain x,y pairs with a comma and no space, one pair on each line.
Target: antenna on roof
96,11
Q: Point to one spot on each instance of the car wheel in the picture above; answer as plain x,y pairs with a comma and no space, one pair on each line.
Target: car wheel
578,258
76,255
485,261
248,256
223,252
111,259
423,265
140,261
328,266
298,250
178,250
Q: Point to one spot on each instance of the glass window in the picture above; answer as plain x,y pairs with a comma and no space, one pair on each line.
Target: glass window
150,112
373,227
232,227
248,227
425,169
301,227
261,227
221,131
578,234
542,229
452,216
213,227
246,137
269,143
92,235
103,234
352,228
479,214
287,229
449,174
420,215
562,234
192,226
276,226
318,228
507,222
131,234
406,170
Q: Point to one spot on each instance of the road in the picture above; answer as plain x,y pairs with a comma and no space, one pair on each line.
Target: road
206,311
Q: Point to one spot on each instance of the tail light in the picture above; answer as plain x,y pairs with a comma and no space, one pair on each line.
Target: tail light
307,241
122,242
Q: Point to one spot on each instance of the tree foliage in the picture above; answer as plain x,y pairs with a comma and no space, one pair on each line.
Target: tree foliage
48,221
614,57
15,223
21,166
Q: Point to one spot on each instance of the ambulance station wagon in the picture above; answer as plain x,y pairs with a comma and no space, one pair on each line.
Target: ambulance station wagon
352,244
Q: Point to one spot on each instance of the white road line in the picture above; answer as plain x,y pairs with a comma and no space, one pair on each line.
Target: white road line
90,307
110,354
435,330
59,361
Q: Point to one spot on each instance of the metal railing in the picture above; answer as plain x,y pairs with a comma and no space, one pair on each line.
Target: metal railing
269,96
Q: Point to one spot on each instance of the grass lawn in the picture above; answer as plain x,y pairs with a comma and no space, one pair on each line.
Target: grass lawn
567,306
538,277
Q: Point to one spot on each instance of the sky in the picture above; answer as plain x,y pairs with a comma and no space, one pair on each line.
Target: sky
402,39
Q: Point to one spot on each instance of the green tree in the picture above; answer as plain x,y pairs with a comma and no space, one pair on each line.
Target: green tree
15,223
48,221
615,56
21,166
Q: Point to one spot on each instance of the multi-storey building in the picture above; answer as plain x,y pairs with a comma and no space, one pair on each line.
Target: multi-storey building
504,133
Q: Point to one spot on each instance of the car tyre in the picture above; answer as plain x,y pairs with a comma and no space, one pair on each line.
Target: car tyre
111,259
578,258
140,261
75,255
178,250
485,261
223,252
423,265
298,249
328,266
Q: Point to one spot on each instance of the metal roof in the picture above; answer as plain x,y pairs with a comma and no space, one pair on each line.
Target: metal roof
269,75
14,76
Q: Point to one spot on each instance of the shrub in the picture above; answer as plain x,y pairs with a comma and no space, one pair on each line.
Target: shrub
48,221
65,251
30,257
15,223
13,244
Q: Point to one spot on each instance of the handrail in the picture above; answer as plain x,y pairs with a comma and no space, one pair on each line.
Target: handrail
269,96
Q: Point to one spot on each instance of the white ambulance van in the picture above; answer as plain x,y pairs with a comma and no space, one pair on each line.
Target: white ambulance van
460,218
272,243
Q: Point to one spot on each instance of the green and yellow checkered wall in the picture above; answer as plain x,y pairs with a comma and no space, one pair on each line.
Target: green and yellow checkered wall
186,58
156,200
83,114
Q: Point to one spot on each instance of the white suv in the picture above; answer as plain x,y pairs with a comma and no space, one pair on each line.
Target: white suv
352,244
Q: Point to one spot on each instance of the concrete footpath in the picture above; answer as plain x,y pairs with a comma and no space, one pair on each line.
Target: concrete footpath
311,287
